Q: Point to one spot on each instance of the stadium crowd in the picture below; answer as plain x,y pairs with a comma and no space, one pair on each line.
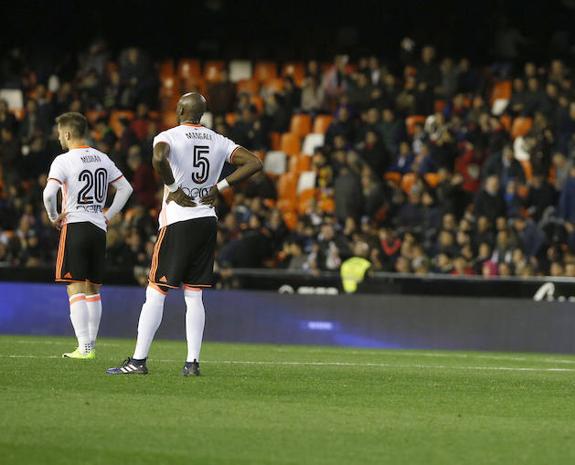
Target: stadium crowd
424,167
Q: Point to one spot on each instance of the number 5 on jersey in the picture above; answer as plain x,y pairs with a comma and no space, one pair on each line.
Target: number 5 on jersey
201,163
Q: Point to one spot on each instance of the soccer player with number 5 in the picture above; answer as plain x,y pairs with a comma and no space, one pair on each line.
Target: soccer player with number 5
189,159
84,174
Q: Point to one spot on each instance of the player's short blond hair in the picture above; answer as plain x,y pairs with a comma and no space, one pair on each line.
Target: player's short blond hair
75,122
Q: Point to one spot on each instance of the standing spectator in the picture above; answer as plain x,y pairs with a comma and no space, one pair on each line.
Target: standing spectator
143,180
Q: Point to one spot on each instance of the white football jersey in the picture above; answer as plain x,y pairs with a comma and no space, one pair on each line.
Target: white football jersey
84,174
197,156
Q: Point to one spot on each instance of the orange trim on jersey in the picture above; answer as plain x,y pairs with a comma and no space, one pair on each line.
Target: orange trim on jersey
60,257
192,125
93,298
82,147
157,288
119,177
156,254
232,154
57,180
64,196
192,286
77,298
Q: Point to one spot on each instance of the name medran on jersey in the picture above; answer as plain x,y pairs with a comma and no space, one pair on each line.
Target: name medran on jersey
199,135
90,158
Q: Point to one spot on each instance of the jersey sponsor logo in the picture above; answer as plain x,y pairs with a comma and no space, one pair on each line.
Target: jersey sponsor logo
90,208
195,192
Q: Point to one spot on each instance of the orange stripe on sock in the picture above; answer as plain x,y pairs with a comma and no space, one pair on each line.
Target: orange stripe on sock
77,298
93,298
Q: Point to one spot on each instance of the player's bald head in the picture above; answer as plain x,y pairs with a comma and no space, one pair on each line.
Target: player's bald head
191,107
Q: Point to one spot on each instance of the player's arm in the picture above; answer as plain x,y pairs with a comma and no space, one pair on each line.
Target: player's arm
123,192
50,196
160,161
247,165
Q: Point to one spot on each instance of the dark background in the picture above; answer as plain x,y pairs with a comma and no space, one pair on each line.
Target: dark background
287,30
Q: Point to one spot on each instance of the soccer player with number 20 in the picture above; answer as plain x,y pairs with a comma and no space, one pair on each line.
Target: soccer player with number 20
83,173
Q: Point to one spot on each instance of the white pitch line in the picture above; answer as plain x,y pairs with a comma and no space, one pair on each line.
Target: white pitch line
392,352
340,364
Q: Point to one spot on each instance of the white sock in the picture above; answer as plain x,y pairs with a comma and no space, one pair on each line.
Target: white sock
79,318
94,304
150,319
195,320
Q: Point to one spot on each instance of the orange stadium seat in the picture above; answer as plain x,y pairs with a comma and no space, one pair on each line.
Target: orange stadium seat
213,70
290,219
167,69
306,199
411,121
393,177
300,124
265,70
299,163
321,123
274,85
327,203
287,186
501,90
290,143
432,179
250,86
275,140
407,182
521,126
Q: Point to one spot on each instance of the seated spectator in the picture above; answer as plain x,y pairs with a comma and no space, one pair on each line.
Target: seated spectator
489,201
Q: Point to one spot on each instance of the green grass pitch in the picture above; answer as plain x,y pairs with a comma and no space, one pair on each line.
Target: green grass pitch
260,404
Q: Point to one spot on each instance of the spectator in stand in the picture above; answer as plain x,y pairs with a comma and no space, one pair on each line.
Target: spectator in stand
404,159
221,95
342,125
373,152
348,195
505,166
7,118
489,201
540,197
312,95
142,179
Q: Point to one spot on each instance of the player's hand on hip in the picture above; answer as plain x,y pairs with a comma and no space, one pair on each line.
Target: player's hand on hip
211,197
59,221
180,198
